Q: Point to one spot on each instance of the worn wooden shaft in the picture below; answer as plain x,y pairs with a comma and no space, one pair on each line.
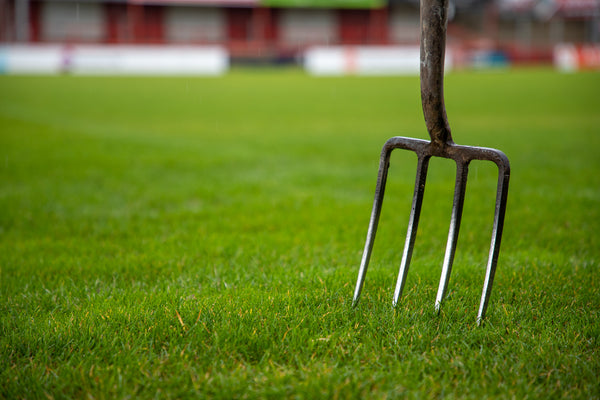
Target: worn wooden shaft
434,20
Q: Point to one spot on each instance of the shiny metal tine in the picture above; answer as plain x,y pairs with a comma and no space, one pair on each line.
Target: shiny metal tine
384,164
413,223
462,171
501,198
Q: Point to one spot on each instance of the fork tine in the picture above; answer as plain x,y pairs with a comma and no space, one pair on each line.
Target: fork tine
413,224
384,164
501,198
462,171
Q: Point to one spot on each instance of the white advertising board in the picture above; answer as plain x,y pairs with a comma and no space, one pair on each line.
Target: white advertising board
23,59
114,60
571,58
364,60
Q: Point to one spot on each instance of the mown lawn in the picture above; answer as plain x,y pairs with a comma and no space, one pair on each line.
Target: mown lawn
200,237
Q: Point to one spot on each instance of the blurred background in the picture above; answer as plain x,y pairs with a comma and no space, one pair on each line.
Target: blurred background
324,36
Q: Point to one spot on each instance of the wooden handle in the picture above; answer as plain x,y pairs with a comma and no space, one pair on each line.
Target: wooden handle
434,19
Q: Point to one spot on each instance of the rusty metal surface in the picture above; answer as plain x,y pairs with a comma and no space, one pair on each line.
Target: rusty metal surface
433,42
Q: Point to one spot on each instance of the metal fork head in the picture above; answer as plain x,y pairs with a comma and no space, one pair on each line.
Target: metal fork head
433,44
462,155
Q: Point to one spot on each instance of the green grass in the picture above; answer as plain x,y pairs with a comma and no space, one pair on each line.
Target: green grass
192,238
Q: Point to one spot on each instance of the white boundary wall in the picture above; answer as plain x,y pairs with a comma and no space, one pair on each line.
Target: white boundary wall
365,60
114,60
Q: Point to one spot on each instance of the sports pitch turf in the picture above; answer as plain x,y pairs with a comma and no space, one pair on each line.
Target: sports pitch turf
200,237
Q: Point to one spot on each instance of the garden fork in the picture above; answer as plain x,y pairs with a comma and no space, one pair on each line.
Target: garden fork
433,43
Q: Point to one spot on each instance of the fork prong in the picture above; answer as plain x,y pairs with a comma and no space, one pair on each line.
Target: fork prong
413,224
501,199
462,171
384,164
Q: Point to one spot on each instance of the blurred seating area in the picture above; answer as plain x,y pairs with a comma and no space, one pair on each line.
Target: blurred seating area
481,33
